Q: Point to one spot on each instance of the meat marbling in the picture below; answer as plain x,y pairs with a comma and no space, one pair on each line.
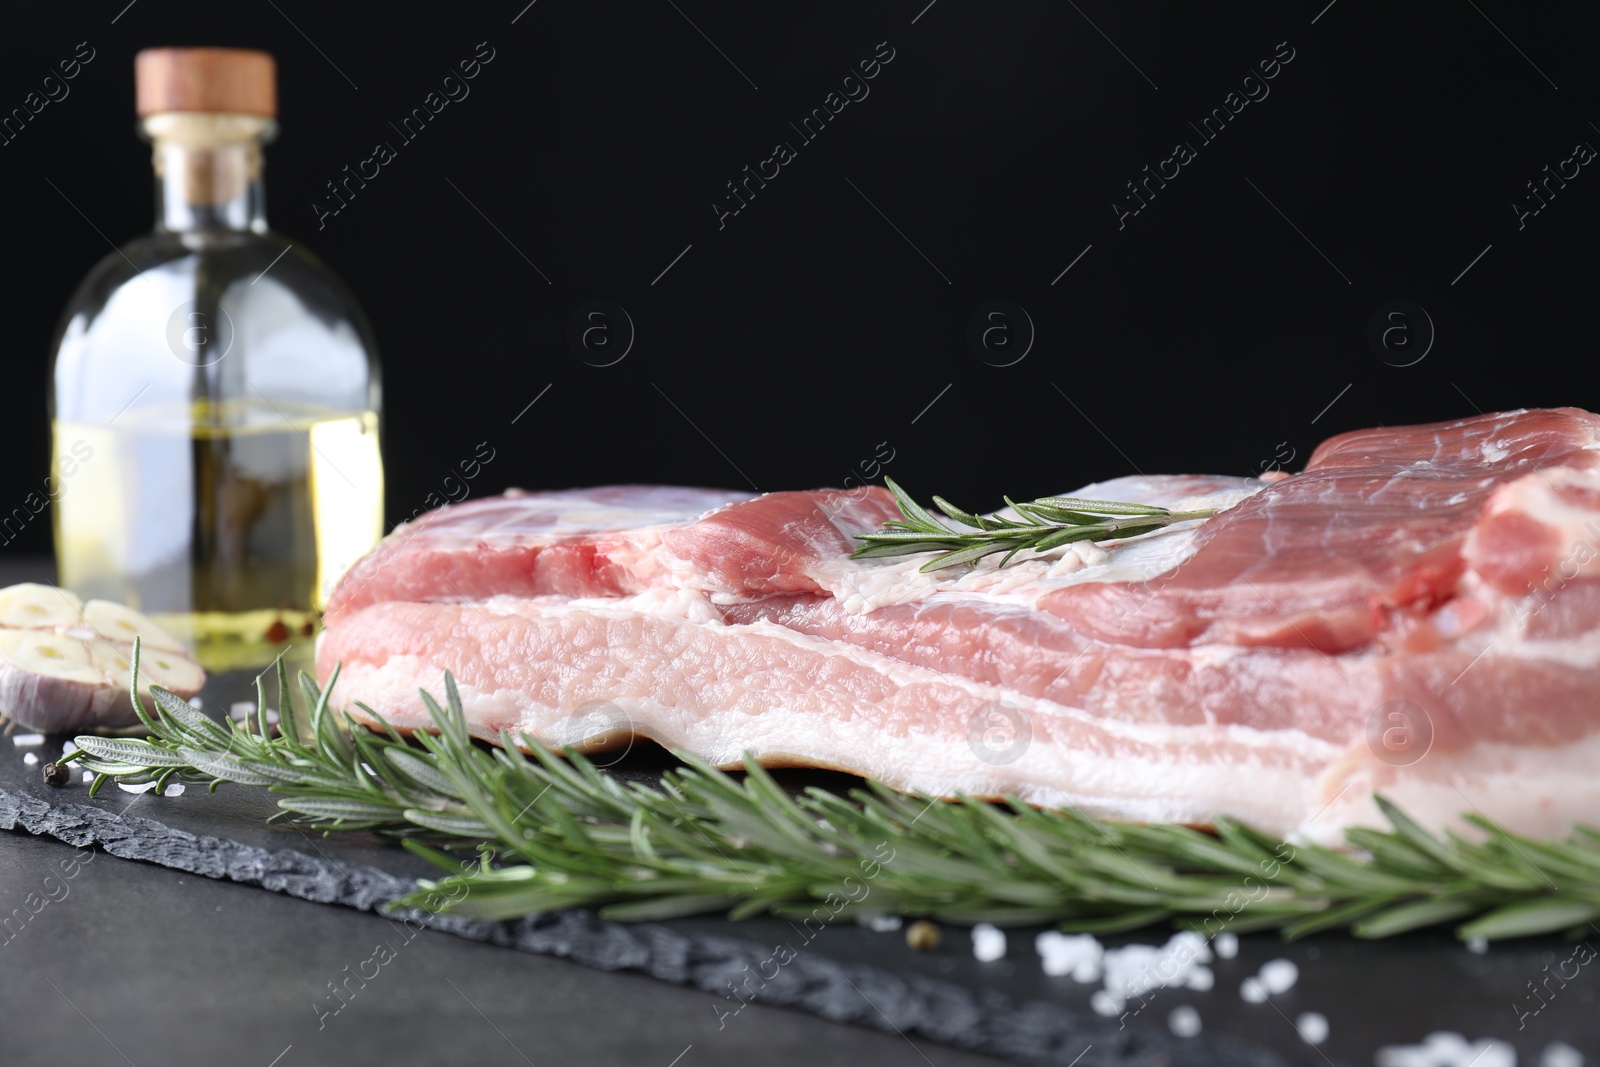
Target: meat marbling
1416,613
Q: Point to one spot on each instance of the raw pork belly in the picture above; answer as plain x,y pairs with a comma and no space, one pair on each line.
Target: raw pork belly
1416,613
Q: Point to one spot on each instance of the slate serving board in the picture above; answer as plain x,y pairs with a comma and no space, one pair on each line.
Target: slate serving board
1373,994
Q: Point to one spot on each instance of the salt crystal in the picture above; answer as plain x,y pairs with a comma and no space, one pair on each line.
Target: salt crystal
1560,1054
1313,1027
1252,991
1201,978
174,789
1492,1053
27,740
239,709
881,923
88,776
1184,1021
1446,1049
1136,969
143,787
194,702
1189,945
1480,945
1226,946
1076,954
30,760
1405,1056
1447,1045
988,942
1279,976
1104,1003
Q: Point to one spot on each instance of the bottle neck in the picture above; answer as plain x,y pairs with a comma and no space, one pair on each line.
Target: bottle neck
208,171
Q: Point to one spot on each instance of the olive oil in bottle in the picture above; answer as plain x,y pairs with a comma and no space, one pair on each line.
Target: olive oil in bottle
215,392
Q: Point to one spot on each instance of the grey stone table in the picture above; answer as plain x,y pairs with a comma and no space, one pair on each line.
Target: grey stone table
135,964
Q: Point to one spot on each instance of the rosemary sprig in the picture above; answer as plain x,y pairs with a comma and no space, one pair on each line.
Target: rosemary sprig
554,833
1048,523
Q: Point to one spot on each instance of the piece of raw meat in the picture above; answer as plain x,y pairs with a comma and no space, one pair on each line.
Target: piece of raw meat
1417,613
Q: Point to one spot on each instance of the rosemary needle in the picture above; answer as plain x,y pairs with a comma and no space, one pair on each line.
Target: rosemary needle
1045,524
553,832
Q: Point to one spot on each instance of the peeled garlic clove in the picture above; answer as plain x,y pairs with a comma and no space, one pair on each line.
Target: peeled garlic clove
120,625
49,683
32,605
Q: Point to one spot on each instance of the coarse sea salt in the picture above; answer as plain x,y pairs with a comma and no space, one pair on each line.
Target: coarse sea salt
1076,954
27,740
1184,1021
1275,976
29,759
1560,1054
988,942
1130,971
1279,976
1313,1027
1446,1049
1133,970
1226,946
881,924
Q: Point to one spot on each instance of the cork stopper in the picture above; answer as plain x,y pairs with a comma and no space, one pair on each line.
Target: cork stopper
237,81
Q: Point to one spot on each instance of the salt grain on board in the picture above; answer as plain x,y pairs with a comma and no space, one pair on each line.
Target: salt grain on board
1252,991
1313,1027
1560,1054
1104,1003
1279,976
29,759
988,942
1184,1021
1480,945
1076,954
1134,970
1226,946
1445,1049
27,740
1129,971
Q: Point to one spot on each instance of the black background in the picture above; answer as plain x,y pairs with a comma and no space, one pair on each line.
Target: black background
1207,334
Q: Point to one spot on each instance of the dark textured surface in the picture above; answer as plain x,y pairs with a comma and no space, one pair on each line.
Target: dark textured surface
837,990
1373,994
